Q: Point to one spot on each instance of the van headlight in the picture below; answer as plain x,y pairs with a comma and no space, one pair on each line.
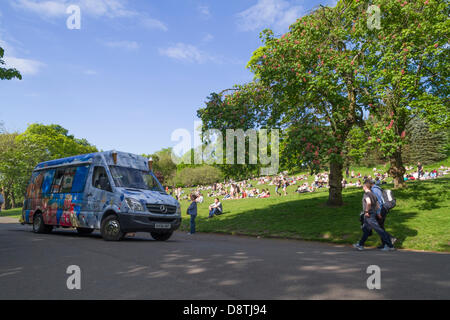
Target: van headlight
178,209
134,204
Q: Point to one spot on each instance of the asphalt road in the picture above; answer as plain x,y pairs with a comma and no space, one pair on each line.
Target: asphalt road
207,266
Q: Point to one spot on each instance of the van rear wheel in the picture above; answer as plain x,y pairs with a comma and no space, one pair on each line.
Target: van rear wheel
39,226
84,231
110,229
161,236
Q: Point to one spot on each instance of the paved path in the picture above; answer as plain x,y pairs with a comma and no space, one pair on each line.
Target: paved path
207,266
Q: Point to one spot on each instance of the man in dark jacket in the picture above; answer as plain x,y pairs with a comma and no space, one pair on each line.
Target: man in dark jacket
382,212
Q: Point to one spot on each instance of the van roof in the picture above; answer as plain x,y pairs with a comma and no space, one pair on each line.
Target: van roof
124,159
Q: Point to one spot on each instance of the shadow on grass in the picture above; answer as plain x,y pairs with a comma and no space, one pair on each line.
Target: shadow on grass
430,193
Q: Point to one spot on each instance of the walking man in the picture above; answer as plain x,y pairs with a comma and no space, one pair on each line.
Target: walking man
382,212
370,208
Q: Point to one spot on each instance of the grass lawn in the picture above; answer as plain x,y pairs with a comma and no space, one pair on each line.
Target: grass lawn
420,221
12,213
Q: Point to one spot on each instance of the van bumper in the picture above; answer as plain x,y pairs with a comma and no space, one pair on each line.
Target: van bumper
130,222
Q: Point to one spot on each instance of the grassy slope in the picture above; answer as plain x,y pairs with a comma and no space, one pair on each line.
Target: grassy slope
421,219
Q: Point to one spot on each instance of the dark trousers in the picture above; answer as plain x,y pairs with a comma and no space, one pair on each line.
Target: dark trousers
214,211
193,224
383,214
372,223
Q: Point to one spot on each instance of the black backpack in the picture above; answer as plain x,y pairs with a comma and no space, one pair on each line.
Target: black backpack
389,200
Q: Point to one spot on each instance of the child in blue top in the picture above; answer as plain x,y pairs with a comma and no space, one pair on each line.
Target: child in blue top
192,211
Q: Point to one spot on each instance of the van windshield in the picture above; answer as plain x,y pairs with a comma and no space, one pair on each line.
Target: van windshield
135,179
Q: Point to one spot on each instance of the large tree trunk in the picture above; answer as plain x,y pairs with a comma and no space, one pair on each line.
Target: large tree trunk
397,170
13,200
335,181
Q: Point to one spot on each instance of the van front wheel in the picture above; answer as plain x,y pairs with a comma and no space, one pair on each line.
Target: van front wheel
110,229
161,236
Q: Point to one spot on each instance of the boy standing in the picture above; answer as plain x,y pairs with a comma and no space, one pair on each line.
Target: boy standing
192,211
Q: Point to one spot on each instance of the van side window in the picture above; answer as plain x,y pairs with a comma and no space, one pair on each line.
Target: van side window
48,178
79,180
100,179
56,186
67,180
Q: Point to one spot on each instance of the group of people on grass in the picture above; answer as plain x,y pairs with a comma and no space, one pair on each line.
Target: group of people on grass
421,174
373,216
245,189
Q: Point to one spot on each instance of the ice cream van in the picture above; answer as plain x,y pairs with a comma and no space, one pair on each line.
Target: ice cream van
114,192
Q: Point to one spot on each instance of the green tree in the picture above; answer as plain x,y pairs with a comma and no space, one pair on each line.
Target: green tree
202,175
408,71
19,154
7,73
243,107
313,73
163,164
424,145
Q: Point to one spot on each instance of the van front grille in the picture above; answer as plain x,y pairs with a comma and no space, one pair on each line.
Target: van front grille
161,208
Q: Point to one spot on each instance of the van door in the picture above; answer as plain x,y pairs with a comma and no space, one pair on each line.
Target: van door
100,192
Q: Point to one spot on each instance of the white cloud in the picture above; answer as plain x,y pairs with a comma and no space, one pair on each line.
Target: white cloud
90,72
151,23
188,53
25,66
96,8
208,37
53,8
45,8
128,45
277,14
204,10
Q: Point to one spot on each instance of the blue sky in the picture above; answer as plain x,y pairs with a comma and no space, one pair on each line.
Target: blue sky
136,70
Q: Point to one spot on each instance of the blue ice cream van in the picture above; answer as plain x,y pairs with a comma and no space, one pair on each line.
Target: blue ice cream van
114,192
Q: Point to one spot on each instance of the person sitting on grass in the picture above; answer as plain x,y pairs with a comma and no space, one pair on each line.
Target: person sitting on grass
215,208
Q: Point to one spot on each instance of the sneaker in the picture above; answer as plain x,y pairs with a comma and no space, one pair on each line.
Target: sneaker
358,246
387,248
393,240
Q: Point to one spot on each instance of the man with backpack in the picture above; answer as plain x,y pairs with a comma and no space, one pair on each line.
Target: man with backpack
386,202
370,209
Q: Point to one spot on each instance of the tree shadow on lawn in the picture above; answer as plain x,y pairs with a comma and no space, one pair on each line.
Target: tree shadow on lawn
308,219
429,192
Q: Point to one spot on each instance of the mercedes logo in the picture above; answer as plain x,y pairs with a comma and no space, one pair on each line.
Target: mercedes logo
163,208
